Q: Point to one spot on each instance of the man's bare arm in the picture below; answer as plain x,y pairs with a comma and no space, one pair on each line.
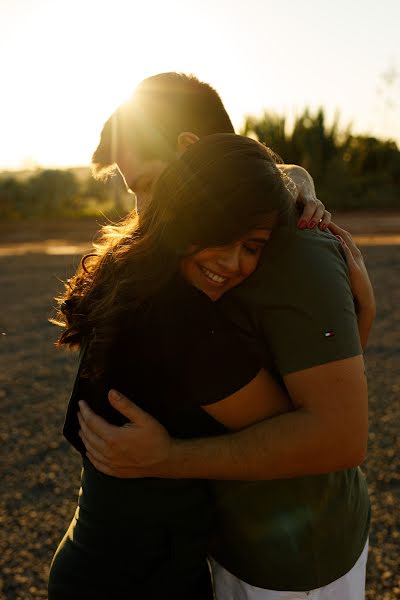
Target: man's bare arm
327,432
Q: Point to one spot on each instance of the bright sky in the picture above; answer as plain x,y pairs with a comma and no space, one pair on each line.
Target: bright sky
67,64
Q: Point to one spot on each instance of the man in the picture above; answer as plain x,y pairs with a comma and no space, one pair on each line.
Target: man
312,507
167,113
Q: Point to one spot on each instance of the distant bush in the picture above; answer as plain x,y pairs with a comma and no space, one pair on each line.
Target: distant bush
51,192
12,198
350,171
60,193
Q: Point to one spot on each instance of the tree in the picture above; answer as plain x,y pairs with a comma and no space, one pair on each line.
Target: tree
349,171
12,195
51,192
270,130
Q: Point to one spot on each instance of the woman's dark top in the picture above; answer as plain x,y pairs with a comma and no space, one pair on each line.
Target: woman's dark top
147,538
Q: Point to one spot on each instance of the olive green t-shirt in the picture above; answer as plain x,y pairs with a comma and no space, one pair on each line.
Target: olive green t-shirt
301,533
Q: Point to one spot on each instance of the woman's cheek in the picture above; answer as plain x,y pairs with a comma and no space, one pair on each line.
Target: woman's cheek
249,265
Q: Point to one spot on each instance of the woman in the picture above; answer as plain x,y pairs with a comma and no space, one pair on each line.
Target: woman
140,309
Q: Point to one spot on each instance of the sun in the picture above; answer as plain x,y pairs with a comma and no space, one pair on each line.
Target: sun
78,62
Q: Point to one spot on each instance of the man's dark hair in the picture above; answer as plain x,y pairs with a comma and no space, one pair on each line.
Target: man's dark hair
160,109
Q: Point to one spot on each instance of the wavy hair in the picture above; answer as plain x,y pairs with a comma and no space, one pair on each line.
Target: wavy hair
222,187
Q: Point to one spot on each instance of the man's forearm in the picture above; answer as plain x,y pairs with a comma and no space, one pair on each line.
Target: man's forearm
286,446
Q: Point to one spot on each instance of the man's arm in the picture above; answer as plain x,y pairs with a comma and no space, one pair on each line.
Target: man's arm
327,432
318,437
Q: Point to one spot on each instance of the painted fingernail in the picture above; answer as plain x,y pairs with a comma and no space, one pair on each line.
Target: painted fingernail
302,224
311,225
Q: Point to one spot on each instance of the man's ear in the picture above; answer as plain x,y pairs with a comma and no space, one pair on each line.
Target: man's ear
184,140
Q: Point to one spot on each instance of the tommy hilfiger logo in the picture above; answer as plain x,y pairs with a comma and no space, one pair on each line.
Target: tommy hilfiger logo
329,334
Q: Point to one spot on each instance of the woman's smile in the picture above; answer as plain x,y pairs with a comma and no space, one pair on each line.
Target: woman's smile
214,271
212,277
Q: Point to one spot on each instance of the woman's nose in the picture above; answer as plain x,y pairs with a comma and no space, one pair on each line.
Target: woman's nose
228,259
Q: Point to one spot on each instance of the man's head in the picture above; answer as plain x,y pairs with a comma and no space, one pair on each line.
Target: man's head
166,113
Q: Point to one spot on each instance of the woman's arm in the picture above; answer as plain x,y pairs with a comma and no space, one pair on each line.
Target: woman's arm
361,287
304,195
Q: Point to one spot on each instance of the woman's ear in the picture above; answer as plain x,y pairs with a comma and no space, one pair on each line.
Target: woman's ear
184,140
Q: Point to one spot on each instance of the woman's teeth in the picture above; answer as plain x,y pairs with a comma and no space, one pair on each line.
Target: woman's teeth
213,276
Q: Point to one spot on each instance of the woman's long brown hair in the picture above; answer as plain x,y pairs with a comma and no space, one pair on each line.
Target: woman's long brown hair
222,187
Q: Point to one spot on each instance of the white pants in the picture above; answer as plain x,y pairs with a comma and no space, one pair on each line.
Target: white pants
349,587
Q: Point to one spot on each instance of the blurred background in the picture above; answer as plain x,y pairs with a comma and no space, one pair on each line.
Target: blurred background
318,81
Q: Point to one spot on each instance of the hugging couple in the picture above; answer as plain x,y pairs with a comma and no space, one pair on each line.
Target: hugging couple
220,404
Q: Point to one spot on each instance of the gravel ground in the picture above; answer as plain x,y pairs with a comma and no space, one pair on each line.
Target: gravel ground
41,474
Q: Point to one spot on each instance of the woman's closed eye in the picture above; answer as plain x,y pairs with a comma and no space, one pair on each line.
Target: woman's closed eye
254,242
253,249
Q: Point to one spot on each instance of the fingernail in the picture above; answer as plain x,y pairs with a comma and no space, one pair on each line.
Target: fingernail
311,225
113,394
302,224
323,226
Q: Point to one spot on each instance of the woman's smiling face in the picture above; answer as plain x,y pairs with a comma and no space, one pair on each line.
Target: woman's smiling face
214,271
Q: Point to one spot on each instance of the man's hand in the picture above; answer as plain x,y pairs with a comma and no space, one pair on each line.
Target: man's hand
128,451
304,194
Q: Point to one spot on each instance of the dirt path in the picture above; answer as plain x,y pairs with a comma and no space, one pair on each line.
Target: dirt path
40,476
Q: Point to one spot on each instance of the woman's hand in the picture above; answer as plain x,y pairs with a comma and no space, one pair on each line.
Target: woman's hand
304,195
360,283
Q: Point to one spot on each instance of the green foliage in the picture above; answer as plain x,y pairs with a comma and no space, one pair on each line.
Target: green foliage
61,193
350,172
12,198
51,192
269,129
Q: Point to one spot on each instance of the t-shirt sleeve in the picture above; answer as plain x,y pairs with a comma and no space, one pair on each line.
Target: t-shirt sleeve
202,356
309,316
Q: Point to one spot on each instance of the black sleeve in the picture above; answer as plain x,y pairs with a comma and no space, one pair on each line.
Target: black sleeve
202,356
